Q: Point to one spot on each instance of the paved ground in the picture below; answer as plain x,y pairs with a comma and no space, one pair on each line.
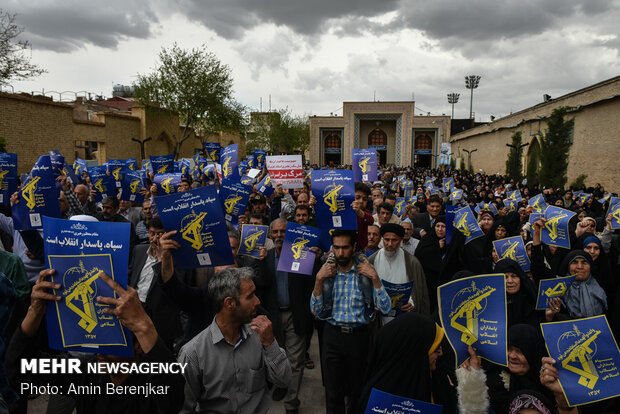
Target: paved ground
312,393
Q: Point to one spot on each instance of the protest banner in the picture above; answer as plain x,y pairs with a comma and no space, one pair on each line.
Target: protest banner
167,183
555,232
399,294
212,150
364,164
538,203
587,358
334,191
296,256
465,222
230,162
381,402
102,183
234,197
131,186
259,157
162,164
198,218
614,210
514,249
473,312
80,251
286,170
253,237
8,176
37,196
552,288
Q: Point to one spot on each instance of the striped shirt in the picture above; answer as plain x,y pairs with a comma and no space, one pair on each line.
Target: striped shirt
348,309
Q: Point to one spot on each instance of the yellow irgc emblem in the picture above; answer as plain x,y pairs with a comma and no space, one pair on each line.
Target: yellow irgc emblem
455,194
212,154
230,205
511,252
395,299
76,169
99,185
162,169
578,358
298,248
28,192
399,205
191,231
226,167
83,295
461,225
469,310
616,214
116,173
363,163
133,186
536,206
166,185
330,197
250,241
446,186
552,225
557,290
2,174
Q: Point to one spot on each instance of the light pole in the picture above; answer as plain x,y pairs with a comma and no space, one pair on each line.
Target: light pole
471,82
452,99
517,157
469,157
142,152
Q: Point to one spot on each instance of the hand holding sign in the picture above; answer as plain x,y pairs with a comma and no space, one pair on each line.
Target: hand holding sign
38,302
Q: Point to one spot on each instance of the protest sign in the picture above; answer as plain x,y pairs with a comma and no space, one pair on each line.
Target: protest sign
473,312
296,256
102,183
58,161
511,205
399,207
8,176
116,168
253,237
482,206
534,217
514,195
334,191
79,166
555,231
80,251
514,249
456,195
265,186
167,183
614,210
132,184
212,149
399,294
234,197
246,180
202,234
587,358
538,203
38,197
286,170
259,157
230,162
162,164
465,222
552,288
381,402
450,210
448,184
364,164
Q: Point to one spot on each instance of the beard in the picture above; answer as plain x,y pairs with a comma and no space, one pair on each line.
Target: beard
389,254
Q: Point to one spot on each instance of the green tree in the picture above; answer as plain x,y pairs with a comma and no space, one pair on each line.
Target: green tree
463,168
196,85
554,147
280,131
514,165
14,54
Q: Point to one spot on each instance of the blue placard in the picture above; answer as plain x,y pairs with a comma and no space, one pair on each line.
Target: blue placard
514,195
473,312
614,210
514,249
246,180
132,184
555,231
534,217
399,208
296,256
604,199
552,288
587,358
79,251
8,176
185,166
465,222
167,183
423,151
456,195
448,184
334,191
538,203
38,197
234,197
230,162
584,198
79,166
253,237
251,161
209,171
116,168
364,164
399,294
450,210
511,205
212,150
162,164
131,164
58,161
265,186
482,206
197,216
429,181
102,183
382,402
378,147
259,157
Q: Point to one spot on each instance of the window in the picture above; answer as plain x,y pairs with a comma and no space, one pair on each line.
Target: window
377,137
332,141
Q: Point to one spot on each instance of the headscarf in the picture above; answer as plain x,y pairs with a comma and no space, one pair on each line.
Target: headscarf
531,399
584,298
520,305
399,364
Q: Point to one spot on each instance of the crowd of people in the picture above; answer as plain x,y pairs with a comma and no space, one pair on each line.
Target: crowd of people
244,330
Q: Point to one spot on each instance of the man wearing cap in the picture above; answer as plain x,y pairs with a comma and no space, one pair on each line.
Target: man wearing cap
258,205
397,266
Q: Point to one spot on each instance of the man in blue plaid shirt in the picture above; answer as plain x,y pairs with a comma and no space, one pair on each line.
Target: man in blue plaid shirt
345,295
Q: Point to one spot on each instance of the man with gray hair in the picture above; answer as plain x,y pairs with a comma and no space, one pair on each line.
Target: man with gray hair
230,362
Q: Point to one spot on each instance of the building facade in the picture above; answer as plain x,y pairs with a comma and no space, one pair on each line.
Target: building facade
596,136
400,137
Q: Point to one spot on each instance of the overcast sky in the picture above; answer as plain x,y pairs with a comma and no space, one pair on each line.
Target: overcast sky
311,55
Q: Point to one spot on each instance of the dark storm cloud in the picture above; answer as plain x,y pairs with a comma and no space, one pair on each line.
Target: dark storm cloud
67,26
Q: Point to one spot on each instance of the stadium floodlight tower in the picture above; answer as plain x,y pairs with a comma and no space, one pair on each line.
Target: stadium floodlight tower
471,82
452,99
